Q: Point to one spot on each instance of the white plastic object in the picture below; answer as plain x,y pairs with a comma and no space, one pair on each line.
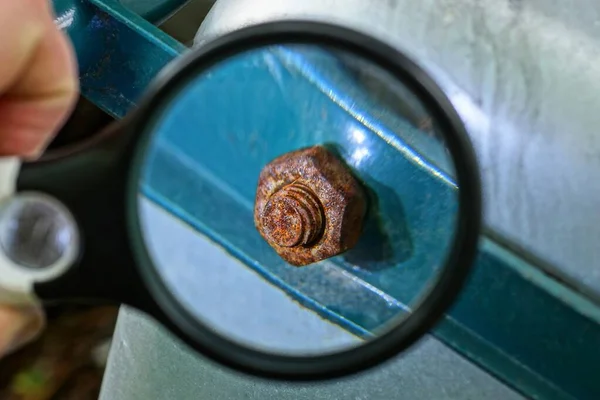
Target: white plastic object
9,171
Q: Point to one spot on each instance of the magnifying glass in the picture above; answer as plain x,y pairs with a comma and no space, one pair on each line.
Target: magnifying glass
294,200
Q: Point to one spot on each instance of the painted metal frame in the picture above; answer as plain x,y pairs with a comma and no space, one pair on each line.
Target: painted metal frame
526,326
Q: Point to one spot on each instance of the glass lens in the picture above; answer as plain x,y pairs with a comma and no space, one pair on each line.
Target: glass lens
297,199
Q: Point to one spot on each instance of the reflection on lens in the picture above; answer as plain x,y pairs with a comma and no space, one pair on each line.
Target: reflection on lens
297,199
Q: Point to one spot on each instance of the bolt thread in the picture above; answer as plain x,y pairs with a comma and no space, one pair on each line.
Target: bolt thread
293,216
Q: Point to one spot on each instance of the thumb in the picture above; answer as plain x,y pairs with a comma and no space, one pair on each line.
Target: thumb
18,326
38,77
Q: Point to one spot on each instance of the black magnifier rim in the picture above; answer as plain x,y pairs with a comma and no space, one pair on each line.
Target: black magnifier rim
459,261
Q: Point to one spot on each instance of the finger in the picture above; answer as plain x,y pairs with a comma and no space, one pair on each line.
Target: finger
38,77
18,326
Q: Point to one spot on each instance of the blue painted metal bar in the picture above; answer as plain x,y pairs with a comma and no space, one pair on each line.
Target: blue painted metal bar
524,326
132,48
118,51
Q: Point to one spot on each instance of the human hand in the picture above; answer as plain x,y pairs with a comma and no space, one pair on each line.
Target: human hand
38,88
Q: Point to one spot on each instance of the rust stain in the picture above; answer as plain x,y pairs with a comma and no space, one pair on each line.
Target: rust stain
308,206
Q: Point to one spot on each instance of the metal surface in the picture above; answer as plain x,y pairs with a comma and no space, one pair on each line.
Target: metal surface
126,54
308,206
497,88
254,312
503,66
146,363
524,76
364,289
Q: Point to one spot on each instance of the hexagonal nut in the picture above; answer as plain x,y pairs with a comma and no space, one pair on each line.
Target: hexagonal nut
309,206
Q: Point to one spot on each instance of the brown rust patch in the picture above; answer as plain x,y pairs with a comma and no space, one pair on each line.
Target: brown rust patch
293,216
308,206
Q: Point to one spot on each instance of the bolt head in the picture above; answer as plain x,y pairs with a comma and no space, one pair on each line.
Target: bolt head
340,197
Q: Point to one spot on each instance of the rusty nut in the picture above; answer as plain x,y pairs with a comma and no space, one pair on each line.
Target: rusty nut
308,206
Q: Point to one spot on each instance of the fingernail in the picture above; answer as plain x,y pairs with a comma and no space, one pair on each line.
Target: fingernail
24,328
